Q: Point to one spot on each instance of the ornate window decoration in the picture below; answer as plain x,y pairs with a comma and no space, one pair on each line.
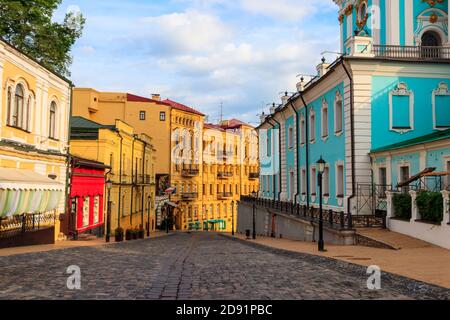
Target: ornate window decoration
19,100
324,120
52,121
362,13
432,3
441,107
401,109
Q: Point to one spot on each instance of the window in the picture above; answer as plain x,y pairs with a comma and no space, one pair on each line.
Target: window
162,116
326,182
312,126
339,181
404,173
303,181
268,144
313,181
401,109
441,107
96,209
338,114
382,180
290,137
142,115
86,206
302,130
324,118
17,113
52,120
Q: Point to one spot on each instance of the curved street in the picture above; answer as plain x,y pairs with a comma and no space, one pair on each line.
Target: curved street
196,266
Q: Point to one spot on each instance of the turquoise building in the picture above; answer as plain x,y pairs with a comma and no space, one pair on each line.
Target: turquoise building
378,115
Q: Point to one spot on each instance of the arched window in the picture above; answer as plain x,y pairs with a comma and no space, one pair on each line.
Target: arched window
431,43
52,121
16,117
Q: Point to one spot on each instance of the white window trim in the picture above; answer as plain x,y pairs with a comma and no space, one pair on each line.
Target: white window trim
340,200
401,90
326,198
442,90
302,130
290,137
324,136
312,114
401,164
338,98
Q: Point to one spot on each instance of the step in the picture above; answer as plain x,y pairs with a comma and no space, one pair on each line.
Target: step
389,239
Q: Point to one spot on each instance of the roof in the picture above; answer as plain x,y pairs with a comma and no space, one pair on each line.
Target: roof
436,136
89,163
235,123
213,126
135,98
80,122
21,179
182,107
82,128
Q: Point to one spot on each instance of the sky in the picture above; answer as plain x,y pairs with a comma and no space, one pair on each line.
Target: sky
203,53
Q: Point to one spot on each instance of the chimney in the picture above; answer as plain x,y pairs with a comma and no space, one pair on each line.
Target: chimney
322,68
273,108
262,117
301,85
285,98
156,97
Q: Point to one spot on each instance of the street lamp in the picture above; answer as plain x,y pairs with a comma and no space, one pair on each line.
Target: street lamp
320,170
254,215
109,184
232,218
148,215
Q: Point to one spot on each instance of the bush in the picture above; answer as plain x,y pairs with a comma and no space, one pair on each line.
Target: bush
402,205
430,206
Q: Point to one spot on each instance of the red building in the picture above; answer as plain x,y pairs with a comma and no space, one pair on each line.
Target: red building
86,197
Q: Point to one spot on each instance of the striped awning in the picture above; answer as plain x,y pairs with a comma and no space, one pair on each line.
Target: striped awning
25,191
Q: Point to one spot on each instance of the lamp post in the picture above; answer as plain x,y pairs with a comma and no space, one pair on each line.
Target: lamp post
232,218
148,215
254,215
108,210
320,169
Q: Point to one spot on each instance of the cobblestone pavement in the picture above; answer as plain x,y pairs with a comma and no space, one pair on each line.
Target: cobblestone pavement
196,266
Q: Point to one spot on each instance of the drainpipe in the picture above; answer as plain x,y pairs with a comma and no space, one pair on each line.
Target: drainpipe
143,182
132,181
279,161
297,142
306,149
120,179
352,135
68,156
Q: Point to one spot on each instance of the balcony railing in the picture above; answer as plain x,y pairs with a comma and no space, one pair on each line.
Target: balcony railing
253,175
189,173
224,195
16,225
144,179
224,175
189,196
411,52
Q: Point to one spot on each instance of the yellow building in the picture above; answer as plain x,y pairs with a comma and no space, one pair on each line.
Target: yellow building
131,158
34,110
178,133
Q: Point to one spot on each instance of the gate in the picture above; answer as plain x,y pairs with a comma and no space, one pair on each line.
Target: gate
371,199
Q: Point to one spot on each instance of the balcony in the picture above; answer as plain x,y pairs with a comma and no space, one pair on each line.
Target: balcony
224,195
411,52
144,179
224,175
253,175
190,172
188,196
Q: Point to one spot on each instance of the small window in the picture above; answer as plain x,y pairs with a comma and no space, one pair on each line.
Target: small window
441,107
302,130
338,114
313,181
303,187
404,173
324,119
326,182
142,115
162,116
312,127
382,181
339,181
52,121
290,138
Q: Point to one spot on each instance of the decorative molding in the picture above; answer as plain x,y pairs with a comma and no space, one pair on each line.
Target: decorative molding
442,90
401,90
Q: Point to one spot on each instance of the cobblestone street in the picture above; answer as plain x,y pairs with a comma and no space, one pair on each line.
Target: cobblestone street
196,266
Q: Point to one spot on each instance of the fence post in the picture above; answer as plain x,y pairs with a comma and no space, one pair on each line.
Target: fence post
446,217
330,217
415,215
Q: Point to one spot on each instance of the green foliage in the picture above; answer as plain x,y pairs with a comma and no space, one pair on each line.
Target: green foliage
430,205
28,25
118,232
402,205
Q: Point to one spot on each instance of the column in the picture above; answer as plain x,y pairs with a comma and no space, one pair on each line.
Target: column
415,215
389,206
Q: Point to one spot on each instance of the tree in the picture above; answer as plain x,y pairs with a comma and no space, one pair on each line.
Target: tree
28,25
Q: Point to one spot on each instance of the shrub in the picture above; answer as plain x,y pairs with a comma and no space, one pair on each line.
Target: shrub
430,206
402,205
118,232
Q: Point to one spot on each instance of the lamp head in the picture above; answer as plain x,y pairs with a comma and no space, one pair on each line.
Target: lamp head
321,165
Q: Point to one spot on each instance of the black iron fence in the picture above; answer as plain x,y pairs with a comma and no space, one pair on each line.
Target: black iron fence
411,52
13,226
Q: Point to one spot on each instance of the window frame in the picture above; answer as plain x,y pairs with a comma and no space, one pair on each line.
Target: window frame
52,134
324,128
312,126
142,115
442,91
162,116
340,180
401,90
338,99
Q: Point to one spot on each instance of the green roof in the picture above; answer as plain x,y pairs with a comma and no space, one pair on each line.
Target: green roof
80,122
436,136
82,128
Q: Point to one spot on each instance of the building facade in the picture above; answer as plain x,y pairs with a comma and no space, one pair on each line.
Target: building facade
130,158
34,117
388,87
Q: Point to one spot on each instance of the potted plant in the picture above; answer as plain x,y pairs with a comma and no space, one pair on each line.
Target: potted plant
129,234
118,234
141,232
135,233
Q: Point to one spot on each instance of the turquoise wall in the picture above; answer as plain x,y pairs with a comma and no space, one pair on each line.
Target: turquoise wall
269,161
423,115
290,154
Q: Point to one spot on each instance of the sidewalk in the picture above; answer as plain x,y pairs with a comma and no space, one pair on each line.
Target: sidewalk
428,264
67,244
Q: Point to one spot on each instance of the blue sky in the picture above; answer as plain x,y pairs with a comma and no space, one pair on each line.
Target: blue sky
242,53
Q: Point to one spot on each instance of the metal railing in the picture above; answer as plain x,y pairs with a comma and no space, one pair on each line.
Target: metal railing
411,52
189,195
12,226
223,175
254,175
